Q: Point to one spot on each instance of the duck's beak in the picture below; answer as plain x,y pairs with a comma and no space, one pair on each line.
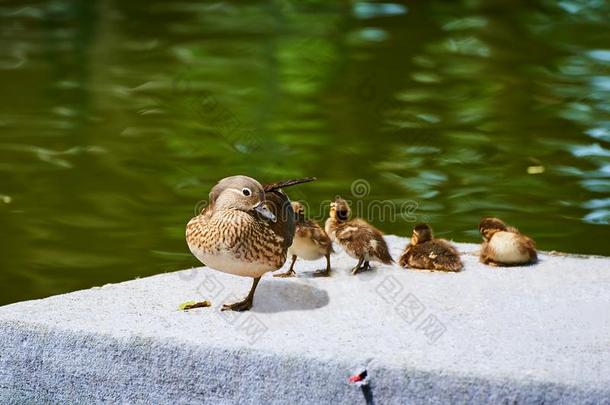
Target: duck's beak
262,209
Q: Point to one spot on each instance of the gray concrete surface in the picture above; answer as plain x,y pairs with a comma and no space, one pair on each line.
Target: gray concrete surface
537,334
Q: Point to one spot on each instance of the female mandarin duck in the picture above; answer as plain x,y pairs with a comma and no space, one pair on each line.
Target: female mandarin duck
426,252
310,242
360,239
245,230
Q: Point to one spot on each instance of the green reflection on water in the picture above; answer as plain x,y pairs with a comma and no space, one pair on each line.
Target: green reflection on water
117,118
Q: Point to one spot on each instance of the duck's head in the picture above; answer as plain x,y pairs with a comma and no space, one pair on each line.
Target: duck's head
241,193
299,210
421,233
340,210
489,226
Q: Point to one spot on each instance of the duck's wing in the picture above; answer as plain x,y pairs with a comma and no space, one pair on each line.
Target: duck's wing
279,203
311,229
352,233
284,225
444,255
362,238
380,247
527,244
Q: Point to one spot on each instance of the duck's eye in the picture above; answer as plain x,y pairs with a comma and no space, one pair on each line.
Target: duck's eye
246,191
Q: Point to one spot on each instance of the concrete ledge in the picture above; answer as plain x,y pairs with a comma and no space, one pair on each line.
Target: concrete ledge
538,334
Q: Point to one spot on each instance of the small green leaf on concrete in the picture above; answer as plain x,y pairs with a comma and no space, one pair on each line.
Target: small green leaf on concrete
185,306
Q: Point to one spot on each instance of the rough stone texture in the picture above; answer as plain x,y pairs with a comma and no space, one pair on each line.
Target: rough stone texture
537,334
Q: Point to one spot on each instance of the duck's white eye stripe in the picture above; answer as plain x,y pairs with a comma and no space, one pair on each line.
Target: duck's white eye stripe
246,191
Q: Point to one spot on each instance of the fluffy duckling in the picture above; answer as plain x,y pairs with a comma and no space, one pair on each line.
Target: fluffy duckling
426,252
245,230
310,242
360,239
504,245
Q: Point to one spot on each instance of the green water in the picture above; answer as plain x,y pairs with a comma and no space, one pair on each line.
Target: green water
117,117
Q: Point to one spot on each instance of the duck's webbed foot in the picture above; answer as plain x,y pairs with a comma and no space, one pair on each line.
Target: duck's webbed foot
245,304
289,273
326,271
322,273
363,265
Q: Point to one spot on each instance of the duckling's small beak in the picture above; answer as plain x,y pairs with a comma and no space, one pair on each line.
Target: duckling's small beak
262,209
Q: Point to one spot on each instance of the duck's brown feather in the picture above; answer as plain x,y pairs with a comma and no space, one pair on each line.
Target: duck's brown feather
436,254
309,229
286,183
284,226
362,239
237,233
247,235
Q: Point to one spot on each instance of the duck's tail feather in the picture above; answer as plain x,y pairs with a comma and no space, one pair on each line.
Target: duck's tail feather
383,253
287,183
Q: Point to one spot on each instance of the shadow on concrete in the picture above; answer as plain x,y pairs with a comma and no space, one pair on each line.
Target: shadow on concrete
311,274
288,295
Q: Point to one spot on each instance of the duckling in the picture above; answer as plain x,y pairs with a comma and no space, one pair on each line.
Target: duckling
360,239
245,230
426,252
310,242
504,245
